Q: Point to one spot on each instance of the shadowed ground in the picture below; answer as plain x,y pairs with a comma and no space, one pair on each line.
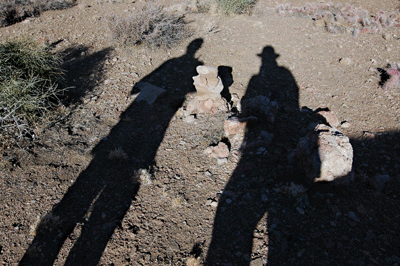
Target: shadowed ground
101,195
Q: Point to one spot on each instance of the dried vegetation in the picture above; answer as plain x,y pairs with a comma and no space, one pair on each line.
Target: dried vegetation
151,26
230,7
337,18
13,11
29,76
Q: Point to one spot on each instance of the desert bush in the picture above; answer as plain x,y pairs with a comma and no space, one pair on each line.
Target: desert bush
151,26
203,6
29,76
229,7
12,11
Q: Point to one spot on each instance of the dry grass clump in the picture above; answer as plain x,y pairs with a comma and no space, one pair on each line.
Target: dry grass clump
29,76
151,26
203,6
339,18
230,7
13,11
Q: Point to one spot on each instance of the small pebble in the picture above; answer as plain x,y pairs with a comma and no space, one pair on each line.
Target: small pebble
346,61
300,210
222,161
345,124
264,198
387,36
353,216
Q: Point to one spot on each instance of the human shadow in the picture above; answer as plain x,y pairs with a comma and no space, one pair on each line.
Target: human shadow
100,197
244,200
269,214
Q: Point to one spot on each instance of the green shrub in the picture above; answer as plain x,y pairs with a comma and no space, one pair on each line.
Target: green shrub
151,26
12,11
29,76
229,7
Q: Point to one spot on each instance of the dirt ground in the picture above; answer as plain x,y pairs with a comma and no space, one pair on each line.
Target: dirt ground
120,182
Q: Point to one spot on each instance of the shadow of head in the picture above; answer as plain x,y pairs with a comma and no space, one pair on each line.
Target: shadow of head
268,54
193,47
174,77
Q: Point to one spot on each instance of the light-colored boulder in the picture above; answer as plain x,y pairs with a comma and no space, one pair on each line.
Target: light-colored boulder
326,155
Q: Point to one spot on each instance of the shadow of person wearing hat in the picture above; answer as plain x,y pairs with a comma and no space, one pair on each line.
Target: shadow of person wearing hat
244,207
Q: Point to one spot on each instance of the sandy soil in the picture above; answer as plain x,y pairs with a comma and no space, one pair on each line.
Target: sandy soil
119,182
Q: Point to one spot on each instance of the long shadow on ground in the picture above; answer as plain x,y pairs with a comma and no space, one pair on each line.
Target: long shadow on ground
243,202
102,194
267,213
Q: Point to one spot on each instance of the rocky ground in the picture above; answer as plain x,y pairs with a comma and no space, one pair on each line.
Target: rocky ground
122,182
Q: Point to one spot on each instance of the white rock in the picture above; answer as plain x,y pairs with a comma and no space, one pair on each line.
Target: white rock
222,161
346,61
326,155
345,124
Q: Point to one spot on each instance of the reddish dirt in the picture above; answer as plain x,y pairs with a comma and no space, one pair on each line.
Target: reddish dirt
117,182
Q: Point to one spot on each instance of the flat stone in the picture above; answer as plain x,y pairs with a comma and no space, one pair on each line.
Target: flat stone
148,92
330,117
220,151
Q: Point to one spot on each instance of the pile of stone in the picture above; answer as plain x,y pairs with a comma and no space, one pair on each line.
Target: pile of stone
208,98
325,153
